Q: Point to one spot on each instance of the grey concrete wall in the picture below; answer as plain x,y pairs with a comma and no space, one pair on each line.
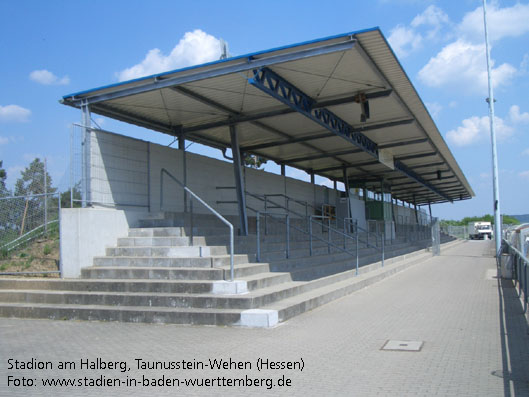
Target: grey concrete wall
126,172
118,170
86,232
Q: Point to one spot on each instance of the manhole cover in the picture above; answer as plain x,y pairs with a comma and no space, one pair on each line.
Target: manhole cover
403,345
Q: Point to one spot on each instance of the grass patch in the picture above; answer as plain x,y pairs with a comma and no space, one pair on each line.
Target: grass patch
46,250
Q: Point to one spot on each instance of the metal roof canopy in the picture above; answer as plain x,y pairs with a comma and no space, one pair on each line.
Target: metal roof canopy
324,106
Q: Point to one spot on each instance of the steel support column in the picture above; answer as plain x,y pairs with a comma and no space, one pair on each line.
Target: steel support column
239,182
430,210
182,147
346,187
86,186
416,213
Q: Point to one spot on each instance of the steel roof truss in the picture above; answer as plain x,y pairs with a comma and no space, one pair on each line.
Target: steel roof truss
276,86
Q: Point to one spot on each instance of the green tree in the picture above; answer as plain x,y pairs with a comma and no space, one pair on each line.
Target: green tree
253,161
66,201
4,192
30,213
507,220
31,180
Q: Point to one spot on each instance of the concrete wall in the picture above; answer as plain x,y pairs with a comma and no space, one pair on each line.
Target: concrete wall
86,232
118,170
405,215
126,172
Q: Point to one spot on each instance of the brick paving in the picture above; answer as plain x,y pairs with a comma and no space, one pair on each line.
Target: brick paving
475,342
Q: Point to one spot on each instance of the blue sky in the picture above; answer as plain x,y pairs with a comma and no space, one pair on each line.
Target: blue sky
53,48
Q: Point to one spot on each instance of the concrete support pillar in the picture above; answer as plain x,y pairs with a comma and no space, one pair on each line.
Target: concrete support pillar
239,181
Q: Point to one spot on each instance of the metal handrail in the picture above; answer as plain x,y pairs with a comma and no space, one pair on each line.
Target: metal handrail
289,226
521,264
224,220
368,245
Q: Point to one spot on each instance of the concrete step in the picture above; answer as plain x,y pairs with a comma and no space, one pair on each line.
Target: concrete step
114,285
162,261
151,273
161,241
134,314
172,252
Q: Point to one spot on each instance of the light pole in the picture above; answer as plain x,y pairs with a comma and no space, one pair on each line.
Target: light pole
495,185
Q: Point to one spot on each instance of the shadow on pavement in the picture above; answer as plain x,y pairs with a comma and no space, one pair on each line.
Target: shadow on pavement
514,341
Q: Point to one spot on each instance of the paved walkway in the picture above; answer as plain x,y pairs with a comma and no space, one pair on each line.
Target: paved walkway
475,344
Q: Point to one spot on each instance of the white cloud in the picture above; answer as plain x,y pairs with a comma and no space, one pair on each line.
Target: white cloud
14,113
404,40
516,116
432,17
525,152
476,129
4,140
194,48
434,108
524,175
463,65
46,77
501,22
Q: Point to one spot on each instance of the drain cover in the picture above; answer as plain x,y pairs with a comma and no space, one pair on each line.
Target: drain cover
403,345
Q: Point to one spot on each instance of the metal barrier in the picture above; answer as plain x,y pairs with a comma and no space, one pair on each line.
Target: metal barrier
519,271
163,172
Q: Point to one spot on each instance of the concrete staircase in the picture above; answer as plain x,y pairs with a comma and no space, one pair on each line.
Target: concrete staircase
161,274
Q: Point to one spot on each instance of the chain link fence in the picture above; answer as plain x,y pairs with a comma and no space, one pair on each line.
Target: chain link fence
455,231
25,220
29,215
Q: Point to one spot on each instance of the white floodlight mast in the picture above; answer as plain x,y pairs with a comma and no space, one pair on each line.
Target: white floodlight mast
495,184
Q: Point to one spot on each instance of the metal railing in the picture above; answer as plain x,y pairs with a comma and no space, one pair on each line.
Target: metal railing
519,271
312,236
353,222
163,172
